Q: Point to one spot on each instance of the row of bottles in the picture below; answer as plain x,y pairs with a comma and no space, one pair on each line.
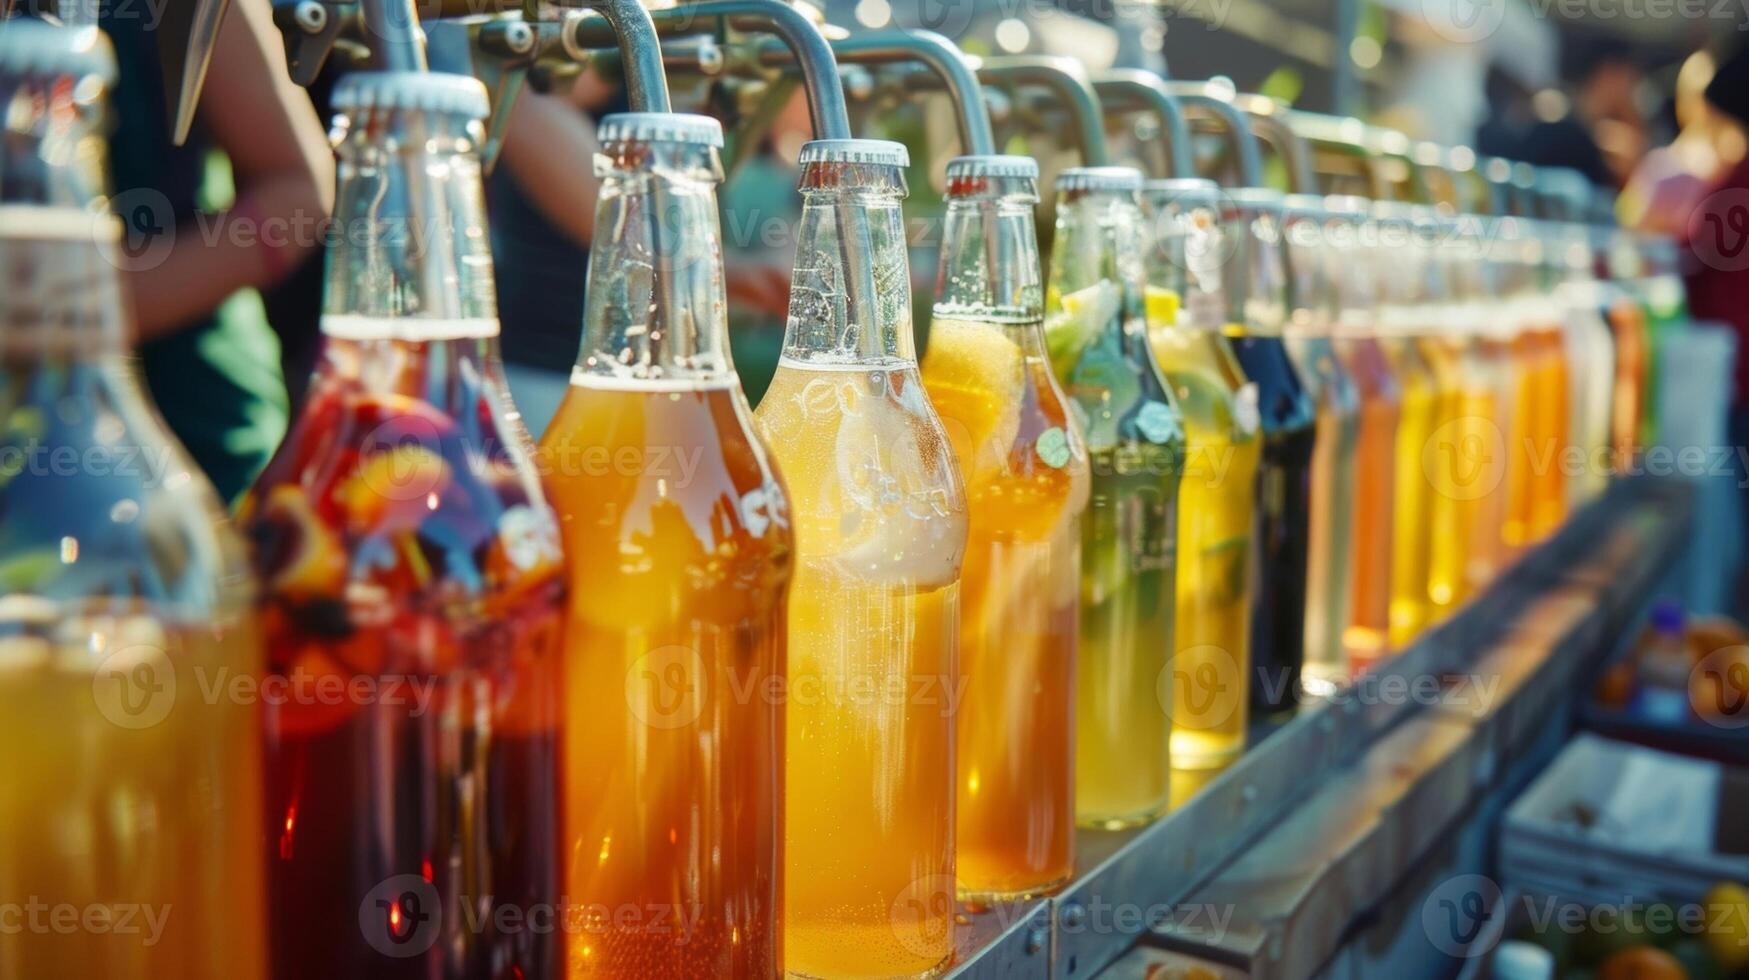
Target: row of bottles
717,691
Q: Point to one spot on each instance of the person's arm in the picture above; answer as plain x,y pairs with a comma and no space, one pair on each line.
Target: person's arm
284,173
549,143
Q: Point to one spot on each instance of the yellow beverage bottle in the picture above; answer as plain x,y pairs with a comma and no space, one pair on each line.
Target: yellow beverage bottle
673,744
1217,496
1025,469
130,808
1098,341
1401,323
1444,468
879,514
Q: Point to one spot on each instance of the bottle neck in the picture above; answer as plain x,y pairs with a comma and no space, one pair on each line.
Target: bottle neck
1098,244
989,258
1257,281
656,307
410,259
60,296
1184,258
850,296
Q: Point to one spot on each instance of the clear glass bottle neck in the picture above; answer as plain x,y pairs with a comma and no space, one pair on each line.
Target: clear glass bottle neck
850,295
1257,277
60,292
1185,257
656,307
410,258
989,255
1310,287
1099,240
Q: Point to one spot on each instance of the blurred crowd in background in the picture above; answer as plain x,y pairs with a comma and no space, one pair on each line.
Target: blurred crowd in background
1647,97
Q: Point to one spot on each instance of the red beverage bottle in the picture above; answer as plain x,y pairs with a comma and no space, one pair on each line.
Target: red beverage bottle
414,587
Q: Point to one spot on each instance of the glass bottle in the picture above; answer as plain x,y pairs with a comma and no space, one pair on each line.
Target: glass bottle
1217,496
1309,332
1456,457
409,555
1540,395
1098,340
1591,365
1483,307
1355,285
124,593
1401,322
680,531
1628,325
1660,290
879,512
1025,469
1256,317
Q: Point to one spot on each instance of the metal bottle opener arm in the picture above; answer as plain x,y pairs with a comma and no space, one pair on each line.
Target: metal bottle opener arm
1210,104
1067,86
1123,91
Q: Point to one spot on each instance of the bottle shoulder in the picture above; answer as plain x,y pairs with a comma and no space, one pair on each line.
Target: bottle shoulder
378,490
99,502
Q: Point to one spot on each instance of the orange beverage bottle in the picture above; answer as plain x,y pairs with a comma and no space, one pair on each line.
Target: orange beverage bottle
1628,325
1366,637
879,513
409,554
1026,474
131,794
1554,426
673,728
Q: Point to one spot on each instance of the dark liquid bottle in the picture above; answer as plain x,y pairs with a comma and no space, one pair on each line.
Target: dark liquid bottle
414,587
1256,314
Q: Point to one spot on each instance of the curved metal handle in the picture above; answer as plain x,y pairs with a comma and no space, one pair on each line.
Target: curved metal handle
813,56
944,59
634,33
1067,80
1125,90
1209,102
1269,120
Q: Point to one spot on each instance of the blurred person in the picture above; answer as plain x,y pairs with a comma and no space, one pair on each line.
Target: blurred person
1716,231
1673,179
541,199
200,251
1597,129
